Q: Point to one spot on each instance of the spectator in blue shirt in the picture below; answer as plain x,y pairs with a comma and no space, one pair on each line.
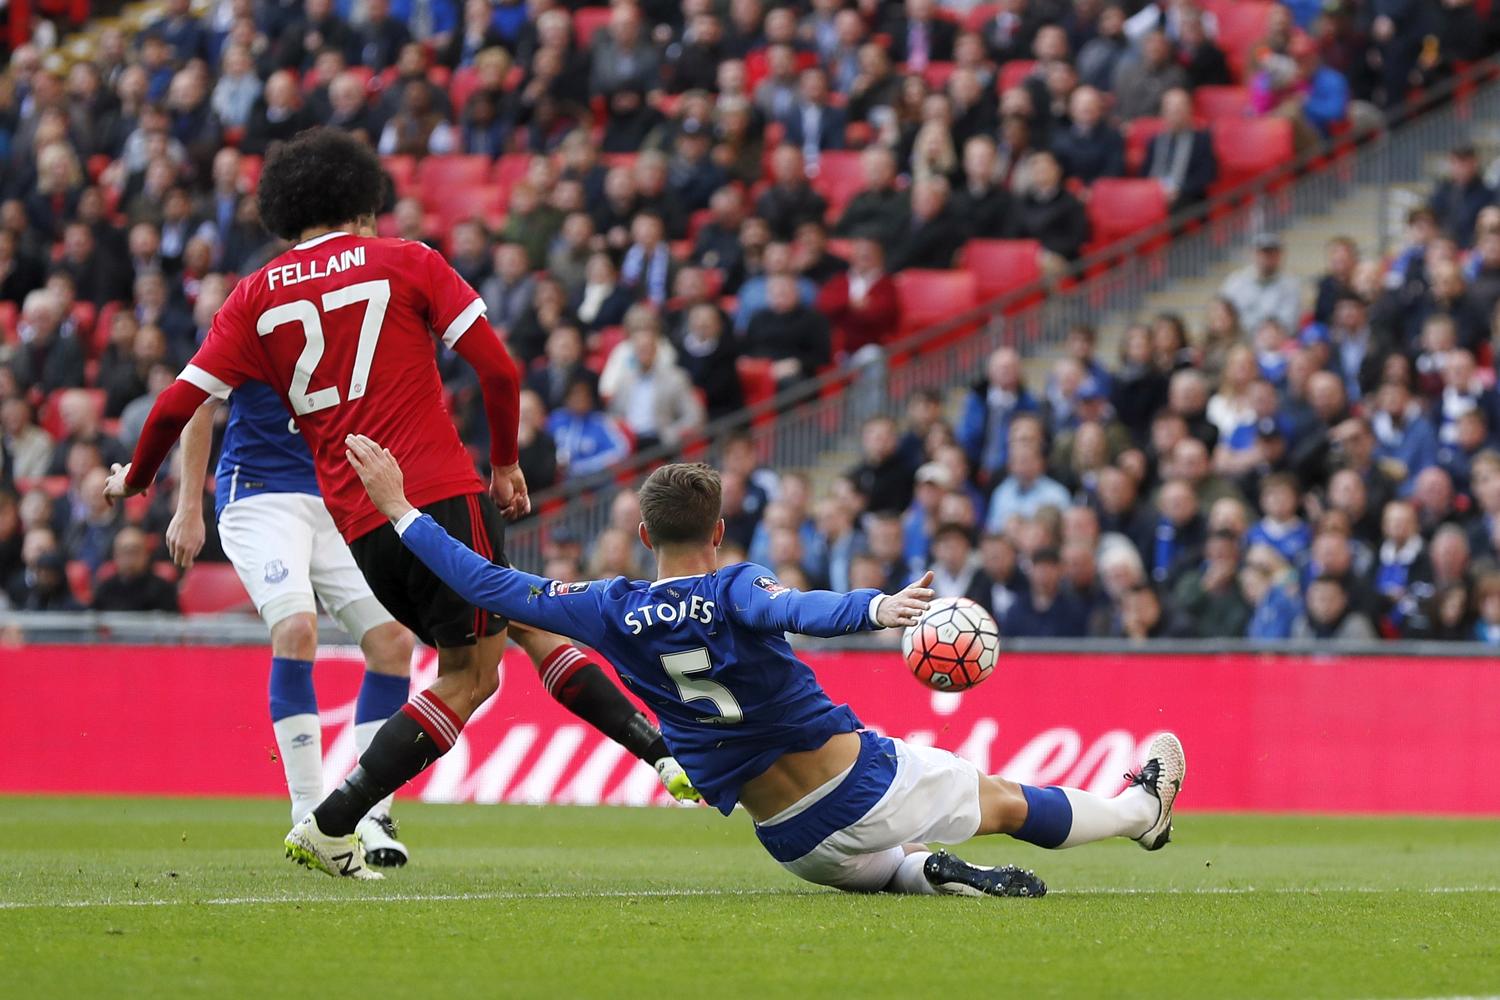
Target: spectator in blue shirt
1026,490
588,439
1281,527
984,427
1405,440
1270,587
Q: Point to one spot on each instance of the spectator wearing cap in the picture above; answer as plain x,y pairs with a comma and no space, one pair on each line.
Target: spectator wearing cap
1209,595
588,440
691,172
931,483
789,200
1140,83
1261,290
46,583
1025,491
1041,609
931,235
1328,615
1180,157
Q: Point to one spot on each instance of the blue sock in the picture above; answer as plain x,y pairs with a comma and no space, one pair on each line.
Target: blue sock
1049,817
380,697
292,688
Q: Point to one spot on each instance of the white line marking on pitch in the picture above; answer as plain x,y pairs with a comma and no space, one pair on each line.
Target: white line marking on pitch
470,897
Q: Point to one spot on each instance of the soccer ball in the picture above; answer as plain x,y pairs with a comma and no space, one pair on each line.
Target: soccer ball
953,646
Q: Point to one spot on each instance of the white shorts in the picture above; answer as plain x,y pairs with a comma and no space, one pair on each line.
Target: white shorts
285,548
933,795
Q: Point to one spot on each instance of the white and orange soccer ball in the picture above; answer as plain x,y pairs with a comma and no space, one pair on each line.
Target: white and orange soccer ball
953,646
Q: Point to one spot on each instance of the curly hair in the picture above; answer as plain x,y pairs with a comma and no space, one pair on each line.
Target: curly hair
322,177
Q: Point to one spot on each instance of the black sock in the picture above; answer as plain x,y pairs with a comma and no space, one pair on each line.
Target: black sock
402,749
590,695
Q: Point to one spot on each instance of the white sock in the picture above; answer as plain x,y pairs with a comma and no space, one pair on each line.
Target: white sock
363,734
299,740
909,878
1128,814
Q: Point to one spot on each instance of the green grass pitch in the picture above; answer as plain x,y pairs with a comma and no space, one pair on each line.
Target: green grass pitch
175,897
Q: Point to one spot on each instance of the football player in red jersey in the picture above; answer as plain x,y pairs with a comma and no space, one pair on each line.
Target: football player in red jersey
341,325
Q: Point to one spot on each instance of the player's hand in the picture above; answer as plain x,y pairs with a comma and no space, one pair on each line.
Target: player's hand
508,490
906,606
185,537
380,473
115,487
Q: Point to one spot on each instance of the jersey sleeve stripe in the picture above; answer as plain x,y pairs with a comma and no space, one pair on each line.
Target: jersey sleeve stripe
462,322
217,388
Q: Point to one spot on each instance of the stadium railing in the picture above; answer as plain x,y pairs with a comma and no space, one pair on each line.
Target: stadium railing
794,428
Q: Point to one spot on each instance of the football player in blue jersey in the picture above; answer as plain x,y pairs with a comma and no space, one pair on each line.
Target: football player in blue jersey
289,555
705,648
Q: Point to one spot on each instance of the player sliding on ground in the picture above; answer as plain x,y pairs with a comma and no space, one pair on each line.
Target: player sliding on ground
705,648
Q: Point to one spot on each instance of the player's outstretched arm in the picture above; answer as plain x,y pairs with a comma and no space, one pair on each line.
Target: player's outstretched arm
762,602
169,415
185,534
521,596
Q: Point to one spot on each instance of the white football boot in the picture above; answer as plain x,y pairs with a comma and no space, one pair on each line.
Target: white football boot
1161,776
377,833
341,857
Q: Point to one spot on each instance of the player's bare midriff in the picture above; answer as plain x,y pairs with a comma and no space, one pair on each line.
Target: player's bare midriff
794,775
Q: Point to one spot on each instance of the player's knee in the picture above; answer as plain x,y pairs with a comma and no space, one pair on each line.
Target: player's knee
388,649
1002,806
295,636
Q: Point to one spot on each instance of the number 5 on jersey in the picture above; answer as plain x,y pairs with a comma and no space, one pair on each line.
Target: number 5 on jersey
682,666
376,295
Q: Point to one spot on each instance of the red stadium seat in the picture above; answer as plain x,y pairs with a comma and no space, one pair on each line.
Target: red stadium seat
1138,135
756,381
80,581
510,168
1013,72
211,589
1249,147
438,175
101,327
403,171
586,21
839,179
1001,266
928,297
10,319
980,16
465,81
51,418
250,165
1242,25
936,74
1214,103
1120,207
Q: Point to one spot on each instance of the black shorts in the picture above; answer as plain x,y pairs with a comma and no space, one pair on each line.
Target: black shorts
413,594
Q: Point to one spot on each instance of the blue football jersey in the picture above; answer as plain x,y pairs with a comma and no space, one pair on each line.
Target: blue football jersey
708,654
262,450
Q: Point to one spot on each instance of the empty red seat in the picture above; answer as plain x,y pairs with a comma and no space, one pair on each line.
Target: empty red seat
1246,148
1120,207
586,21
936,74
928,297
1242,25
80,581
10,319
510,168
1013,72
211,589
1001,266
51,416
1138,135
1213,103
442,174
839,179
403,171
979,17
250,165
465,81
756,380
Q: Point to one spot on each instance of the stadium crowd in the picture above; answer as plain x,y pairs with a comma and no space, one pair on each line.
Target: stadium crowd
649,197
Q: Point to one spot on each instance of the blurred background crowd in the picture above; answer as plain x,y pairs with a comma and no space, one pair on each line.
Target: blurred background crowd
674,210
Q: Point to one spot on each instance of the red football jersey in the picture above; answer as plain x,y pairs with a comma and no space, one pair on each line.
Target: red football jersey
342,326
